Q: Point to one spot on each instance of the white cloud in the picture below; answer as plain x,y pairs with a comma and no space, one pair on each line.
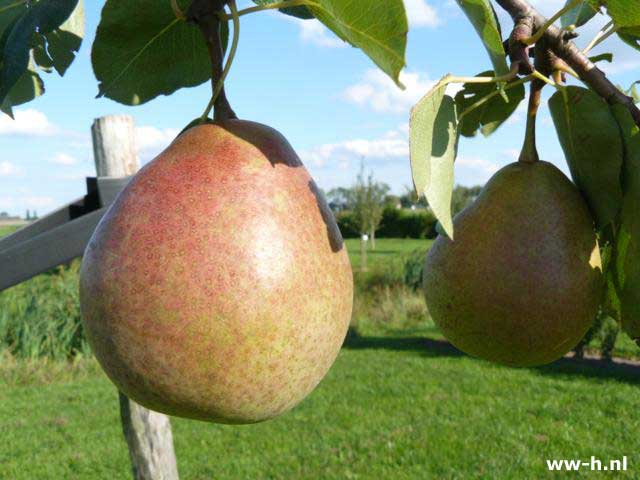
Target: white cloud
27,122
35,202
38,202
8,169
421,14
64,159
377,91
618,67
392,145
312,31
512,154
152,140
476,163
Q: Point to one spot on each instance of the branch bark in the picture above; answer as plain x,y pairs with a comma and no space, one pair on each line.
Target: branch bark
588,72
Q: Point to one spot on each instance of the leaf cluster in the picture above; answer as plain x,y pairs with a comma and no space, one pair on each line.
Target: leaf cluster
35,35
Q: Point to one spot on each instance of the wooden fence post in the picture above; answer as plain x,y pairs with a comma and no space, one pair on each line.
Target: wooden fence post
148,433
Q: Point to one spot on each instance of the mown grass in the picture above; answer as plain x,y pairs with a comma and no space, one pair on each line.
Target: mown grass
386,250
399,402
7,229
391,407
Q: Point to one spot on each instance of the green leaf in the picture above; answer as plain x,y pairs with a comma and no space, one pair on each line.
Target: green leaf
377,28
578,15
625,13
628,250
434,145
64,42
42,17
40,54
28,87
10,10
300,12
491,114
591,142
603,57
484,19
142,50
631,36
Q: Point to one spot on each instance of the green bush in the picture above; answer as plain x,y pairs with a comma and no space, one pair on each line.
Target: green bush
395,223
41,317
347,222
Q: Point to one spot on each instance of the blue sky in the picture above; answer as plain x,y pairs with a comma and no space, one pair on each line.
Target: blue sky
325,97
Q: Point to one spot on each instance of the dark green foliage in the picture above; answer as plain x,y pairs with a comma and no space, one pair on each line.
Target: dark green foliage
396,223
41,317
407,224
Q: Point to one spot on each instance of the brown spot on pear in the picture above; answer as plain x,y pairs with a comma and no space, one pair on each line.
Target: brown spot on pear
521,282
217,286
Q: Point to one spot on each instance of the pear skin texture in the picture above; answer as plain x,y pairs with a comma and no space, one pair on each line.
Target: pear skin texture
521,282
217,287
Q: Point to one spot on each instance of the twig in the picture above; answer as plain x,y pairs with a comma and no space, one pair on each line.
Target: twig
570,53
540,31
601,36
497,79
268,6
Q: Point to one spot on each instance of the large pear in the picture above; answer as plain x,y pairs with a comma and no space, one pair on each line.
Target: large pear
217,286
521,281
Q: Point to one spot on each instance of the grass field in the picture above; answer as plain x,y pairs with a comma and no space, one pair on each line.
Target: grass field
386,249
398,403
391,407
6,230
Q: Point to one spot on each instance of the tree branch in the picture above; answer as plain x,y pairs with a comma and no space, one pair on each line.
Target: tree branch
571,54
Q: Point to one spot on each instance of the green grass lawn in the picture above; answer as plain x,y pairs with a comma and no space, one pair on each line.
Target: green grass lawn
386,249
391,407
6,230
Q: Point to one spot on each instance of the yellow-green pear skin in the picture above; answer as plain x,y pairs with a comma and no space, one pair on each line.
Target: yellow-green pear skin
521,281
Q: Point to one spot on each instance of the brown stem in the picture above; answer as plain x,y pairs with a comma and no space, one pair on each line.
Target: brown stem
571,54
205,14
529,153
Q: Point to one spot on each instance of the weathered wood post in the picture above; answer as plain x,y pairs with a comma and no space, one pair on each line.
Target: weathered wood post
148,433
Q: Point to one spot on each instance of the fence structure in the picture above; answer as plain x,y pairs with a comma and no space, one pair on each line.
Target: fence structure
62,236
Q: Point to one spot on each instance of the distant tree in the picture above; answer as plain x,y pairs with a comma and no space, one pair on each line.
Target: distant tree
368,203
463,196
410,198
340,199
391,201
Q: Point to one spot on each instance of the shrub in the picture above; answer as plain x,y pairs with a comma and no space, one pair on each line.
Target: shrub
41,317
395,223
347,223
398,223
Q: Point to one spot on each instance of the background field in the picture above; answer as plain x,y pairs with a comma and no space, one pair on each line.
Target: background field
399,402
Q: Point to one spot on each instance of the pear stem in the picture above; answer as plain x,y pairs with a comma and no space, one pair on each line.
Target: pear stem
529,153
205,15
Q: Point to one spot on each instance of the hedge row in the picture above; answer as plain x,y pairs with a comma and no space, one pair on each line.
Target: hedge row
396,223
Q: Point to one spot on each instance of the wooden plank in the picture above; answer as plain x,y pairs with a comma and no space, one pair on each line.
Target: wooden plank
148,433
55,219
110,187
47,250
